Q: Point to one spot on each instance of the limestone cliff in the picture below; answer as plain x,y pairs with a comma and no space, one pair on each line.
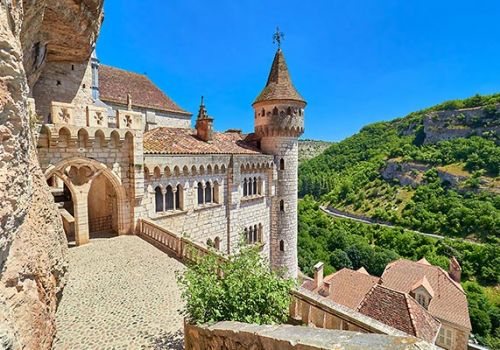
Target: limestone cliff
32,243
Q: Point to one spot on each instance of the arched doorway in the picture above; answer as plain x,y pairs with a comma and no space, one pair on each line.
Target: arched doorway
102,208
100,204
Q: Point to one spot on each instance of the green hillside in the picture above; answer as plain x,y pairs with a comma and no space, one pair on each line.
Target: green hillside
397,172
435,171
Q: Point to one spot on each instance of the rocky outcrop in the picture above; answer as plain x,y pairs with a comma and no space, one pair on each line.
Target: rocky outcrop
309,148
32,243
407,174
447,125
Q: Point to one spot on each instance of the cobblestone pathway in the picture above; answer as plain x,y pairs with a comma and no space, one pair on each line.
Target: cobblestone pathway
121,294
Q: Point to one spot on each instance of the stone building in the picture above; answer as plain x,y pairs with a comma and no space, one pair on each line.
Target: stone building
415,297
115,149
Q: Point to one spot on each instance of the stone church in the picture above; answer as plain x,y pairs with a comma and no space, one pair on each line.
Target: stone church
115,149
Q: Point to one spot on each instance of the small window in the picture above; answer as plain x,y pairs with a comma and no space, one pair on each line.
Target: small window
289,111
208,193
84,86
200,193
282,246
275,111
169,198
245,188
263,112
255,234
72,67
158,199
282,164
445,337
217,243
254,188
282,205
58,83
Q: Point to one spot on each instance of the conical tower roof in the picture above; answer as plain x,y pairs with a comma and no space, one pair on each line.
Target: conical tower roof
279,85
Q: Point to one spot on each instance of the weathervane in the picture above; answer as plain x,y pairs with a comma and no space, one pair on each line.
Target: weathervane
278,36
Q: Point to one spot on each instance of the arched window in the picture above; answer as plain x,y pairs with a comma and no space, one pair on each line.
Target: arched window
245,188
169,198
200,193
263,112
255,234
249,184
208,193
282,164
179,198
282,205
282,246
260,233
300,112
275,111
259,186
254,189
289,111
217,243
158,199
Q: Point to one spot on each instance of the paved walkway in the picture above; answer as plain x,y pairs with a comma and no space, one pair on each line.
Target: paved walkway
121,294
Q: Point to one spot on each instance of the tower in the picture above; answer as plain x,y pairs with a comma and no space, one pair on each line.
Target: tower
279,121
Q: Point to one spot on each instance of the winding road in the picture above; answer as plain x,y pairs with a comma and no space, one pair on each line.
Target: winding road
339,214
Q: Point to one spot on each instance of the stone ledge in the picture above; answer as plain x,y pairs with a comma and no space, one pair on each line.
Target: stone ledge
161,215
236,335
251,198
207,206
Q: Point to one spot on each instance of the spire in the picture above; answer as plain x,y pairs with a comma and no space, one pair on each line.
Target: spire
279,85
202,112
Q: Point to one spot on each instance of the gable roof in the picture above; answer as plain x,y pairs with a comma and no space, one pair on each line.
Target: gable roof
401,311
449,302
165,140
347,287
115,84
279,85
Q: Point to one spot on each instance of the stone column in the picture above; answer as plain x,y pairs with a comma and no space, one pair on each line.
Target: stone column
80,203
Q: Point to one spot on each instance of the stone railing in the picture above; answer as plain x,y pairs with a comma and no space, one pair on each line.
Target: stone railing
244,336
306,307
181,247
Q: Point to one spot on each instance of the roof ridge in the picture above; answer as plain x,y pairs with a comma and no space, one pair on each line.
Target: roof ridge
124,70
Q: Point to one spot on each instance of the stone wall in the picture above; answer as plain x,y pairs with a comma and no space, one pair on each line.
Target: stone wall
230,215
242,336
32,243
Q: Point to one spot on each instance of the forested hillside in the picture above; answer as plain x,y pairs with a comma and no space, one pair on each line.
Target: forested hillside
435,171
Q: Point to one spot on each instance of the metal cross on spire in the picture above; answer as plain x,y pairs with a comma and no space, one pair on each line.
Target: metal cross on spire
278,36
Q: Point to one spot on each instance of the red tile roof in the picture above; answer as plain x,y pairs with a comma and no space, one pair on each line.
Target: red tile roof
401,311
165,140
346,287
279,85
115,84
449,302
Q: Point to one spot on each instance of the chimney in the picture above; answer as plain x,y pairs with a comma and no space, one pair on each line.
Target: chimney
455,270
204,124
318,275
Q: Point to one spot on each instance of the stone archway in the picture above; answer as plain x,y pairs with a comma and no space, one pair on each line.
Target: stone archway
79,174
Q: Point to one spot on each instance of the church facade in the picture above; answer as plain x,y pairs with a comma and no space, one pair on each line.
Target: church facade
116,149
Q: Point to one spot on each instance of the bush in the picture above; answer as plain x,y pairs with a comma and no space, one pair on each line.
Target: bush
241,288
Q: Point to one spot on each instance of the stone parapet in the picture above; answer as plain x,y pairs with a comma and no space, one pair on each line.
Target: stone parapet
243,336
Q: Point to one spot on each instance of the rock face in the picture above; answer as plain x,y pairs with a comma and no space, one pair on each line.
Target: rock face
32,243
447,125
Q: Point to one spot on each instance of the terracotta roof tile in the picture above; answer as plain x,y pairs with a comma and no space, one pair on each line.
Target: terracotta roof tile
399,310
449,302
347,287
165,140
279,85
115,84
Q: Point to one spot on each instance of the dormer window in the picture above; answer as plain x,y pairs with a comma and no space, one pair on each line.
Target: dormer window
422,299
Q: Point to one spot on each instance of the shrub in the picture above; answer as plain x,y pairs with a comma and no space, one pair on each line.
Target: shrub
241,288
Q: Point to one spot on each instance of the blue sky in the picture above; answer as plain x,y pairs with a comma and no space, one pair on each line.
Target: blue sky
354,61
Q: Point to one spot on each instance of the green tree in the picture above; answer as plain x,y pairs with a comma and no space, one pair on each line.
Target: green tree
241,288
